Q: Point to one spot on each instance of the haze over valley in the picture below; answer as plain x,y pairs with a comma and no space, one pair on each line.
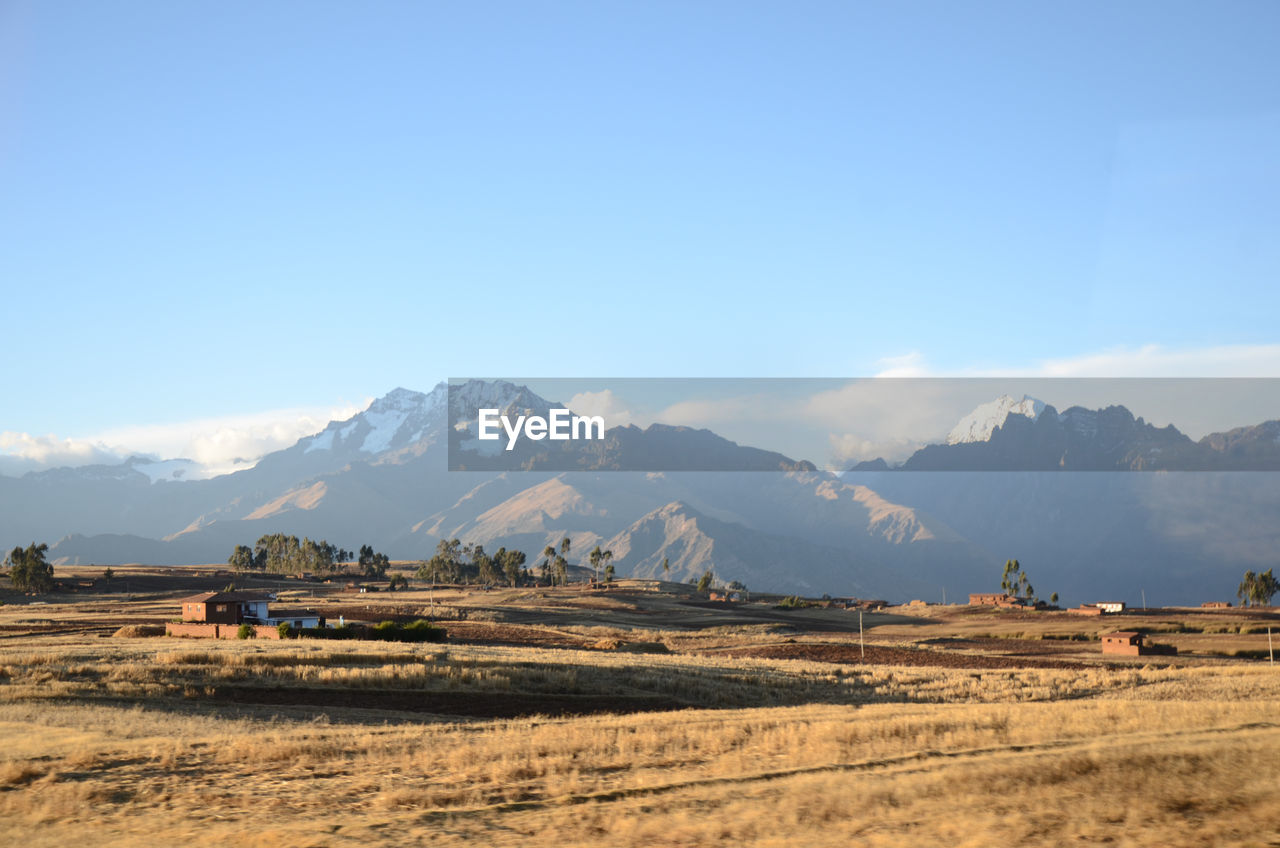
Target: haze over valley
380,477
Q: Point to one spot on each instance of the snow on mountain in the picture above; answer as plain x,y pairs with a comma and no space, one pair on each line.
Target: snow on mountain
169,469
978,425
388,417
398,418
466,398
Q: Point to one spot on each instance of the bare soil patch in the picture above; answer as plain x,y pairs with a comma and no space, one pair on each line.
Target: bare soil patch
884,655
485,633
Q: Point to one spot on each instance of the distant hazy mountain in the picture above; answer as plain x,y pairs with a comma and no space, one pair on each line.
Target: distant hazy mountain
380,478
1030,436
691,543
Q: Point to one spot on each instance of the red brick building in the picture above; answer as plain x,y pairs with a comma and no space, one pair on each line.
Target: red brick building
996,599
225,607
220,614
1130,643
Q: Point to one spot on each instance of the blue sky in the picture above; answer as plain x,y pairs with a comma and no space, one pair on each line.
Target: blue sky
247,212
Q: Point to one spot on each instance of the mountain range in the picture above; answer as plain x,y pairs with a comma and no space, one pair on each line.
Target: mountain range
1029,435
381,477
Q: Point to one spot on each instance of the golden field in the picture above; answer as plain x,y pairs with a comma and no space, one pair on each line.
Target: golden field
125,741
636,717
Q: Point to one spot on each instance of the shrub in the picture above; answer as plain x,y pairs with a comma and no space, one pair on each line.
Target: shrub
246,631
419,630
285,629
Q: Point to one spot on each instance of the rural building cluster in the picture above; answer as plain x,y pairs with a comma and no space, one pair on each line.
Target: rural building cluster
219,615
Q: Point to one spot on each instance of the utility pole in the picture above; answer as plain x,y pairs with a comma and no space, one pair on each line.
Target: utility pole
863,645
1271,653
1144,600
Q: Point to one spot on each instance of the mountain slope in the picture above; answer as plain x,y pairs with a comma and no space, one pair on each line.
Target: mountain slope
1186,535
693,543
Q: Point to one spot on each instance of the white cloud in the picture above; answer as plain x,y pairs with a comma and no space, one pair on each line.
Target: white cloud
218,445
907,365
850,448
23,452
1152,360
910,403
605,404
721,412
1158,361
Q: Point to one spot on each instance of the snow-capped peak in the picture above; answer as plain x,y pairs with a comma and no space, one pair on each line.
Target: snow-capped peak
978,425
394,420
466,398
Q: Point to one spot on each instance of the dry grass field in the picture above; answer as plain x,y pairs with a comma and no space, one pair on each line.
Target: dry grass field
575,728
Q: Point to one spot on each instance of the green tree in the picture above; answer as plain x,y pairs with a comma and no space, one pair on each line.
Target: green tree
29,570
241,559
372,564
666,567
282,554
1009,580
599,560
1257,589
108,573
484,566
1015,582
548,556
317,557
704,583
510,562
445,566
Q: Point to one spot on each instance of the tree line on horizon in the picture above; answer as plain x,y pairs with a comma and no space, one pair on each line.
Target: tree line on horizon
456,561
278,553
453,561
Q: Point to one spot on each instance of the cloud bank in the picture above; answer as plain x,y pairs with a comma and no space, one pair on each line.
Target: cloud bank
217,445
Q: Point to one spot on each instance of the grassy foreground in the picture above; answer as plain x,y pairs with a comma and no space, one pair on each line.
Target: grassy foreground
121,742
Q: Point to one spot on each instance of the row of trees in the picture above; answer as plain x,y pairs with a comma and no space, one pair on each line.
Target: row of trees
456,562
278,553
